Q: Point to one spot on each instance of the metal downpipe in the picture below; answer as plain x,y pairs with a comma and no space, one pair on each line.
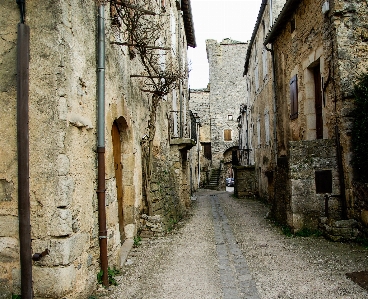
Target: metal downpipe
101,143
23,161
24,206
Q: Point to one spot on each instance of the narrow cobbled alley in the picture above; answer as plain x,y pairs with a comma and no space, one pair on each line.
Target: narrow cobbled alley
227,248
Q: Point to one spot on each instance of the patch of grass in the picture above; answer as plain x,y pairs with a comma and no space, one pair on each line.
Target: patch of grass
306,232
362,241
171,224
111,273
286,230
137,241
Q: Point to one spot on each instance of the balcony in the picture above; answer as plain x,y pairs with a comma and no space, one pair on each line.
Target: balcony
182,134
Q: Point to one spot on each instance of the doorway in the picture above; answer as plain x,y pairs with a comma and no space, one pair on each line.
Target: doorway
116,143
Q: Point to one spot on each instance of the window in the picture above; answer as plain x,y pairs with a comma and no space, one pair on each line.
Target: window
294,97
230,117
264,63
227,135
267,127
207,151
162,54
256,78
173,32
259,131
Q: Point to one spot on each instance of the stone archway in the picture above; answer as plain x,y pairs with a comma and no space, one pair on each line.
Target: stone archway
228,159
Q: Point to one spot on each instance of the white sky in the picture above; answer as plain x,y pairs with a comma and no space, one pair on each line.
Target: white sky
214,19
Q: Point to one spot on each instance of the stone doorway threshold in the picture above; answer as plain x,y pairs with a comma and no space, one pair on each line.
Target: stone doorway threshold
360,278
124,251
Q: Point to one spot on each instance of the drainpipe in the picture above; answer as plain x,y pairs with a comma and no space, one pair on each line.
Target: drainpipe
181,131
101,143
24,206
274,99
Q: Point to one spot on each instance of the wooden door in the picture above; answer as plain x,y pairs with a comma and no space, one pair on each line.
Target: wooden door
116,143
318,102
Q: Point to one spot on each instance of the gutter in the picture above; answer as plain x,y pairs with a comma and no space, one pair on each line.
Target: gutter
101,143
188,23
24,207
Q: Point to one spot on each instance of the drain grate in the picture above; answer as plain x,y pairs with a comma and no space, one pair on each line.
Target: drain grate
360,278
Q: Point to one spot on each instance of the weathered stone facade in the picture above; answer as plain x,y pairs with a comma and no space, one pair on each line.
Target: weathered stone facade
217,107
245,179
199,104
316,48
62,134
258,123
227,92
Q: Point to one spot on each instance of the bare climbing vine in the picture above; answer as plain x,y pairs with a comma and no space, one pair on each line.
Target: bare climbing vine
142,24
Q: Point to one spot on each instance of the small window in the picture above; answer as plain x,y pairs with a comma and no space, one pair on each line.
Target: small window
230,117
294,97
259,131
256,74
267,127
264,63
292,25
227,135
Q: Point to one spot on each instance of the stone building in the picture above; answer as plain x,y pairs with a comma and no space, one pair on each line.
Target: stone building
218,108
317,48
199,104
257,121
144,149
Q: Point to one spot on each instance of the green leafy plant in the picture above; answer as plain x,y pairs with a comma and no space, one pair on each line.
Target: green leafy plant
111,273
171,224
359,136
16,296
286,230
362,241
307,232
137,241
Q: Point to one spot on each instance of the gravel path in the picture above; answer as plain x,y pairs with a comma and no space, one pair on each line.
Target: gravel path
188,263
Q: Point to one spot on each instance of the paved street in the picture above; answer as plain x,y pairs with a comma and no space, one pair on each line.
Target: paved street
228,249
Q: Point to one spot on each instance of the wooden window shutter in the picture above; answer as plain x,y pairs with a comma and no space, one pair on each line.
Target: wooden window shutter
294,97
227,135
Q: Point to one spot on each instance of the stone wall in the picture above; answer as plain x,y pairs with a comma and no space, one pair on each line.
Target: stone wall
334,44
349,21
309,49
199,104
307,206
244,181
63,166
